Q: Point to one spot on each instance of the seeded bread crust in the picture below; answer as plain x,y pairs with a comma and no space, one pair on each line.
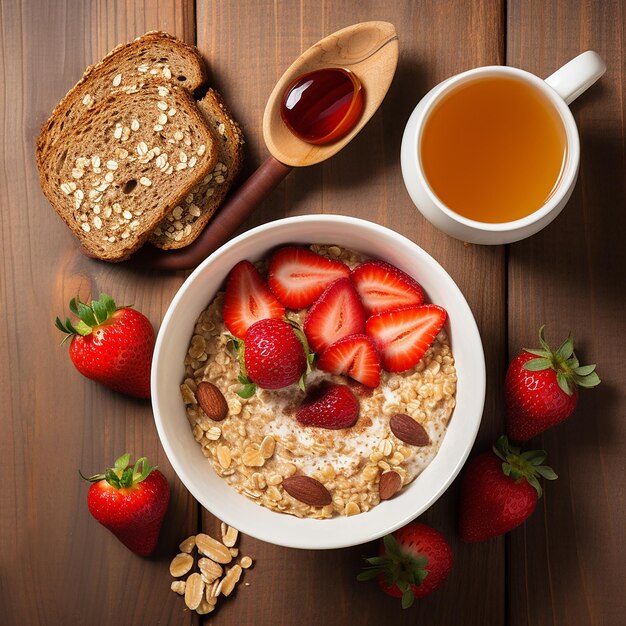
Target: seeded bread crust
187,220
126,68
121,168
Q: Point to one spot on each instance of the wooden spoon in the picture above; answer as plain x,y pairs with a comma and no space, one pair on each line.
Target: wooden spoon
370,50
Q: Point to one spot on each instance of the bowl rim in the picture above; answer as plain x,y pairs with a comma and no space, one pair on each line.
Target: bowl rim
312,533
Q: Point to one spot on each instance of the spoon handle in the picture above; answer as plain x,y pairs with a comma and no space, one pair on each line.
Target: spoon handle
222,226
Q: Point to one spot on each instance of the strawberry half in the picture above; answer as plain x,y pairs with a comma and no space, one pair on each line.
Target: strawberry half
354,356
403,336
383,287
248,299
131,502
297,276
333,407
411,563
337,313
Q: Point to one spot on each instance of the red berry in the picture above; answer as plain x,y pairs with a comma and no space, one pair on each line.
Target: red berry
111,345
330,407
353,356
273,354
500,490
402,336
337,313
383,287
131,502
412,562
297,276
541,388
248,300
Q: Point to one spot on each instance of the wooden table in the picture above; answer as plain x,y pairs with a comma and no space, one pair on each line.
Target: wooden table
564,566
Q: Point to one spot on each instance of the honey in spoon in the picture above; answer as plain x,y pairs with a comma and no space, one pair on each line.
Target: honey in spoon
322,106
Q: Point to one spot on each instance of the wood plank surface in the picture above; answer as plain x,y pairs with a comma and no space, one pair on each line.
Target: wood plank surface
57,565
563,567
566,564
364,180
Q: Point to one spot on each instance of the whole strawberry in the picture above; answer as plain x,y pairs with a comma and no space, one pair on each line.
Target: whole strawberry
541,388
131,502
274,354
110,344
500,490
412,562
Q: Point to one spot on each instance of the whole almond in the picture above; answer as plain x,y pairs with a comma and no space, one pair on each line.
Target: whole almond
211,401
389,485
307,490
408,430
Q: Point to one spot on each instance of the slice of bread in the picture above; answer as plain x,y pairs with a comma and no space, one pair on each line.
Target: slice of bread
127,67
121,168
187,220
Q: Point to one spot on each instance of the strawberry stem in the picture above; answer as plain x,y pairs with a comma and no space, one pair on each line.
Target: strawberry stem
401,569
90,316
122,475
528,465
569,372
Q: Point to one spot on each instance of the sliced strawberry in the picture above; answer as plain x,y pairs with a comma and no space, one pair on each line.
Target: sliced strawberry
383,287
297,276
248,299
353,356
403,336
330,407
337,313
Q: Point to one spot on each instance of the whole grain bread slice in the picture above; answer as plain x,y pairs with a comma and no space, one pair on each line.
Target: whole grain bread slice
187,220
121,168
155,55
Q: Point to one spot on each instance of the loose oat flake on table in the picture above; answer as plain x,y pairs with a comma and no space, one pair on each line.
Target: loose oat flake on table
212,573
375,398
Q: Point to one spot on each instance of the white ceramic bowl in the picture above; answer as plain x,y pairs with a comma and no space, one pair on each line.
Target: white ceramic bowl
196,472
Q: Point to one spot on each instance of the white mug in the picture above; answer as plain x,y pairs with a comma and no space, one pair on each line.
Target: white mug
560,89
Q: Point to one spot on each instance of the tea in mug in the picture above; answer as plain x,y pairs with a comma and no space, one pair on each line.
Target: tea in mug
493,150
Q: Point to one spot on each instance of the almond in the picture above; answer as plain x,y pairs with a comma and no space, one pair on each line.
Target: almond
211,401
389,485
307,490
408,430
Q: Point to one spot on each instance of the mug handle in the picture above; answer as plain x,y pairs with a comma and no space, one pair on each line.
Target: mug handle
577,75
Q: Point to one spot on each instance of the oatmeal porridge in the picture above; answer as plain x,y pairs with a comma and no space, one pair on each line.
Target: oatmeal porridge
260,445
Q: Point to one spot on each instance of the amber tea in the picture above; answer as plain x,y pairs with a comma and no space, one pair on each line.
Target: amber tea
493,149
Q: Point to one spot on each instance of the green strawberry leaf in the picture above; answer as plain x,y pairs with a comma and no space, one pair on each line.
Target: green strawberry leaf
109,304
541,353
99,311
391,545
584,370
368,574
564,383
535,457
532,480
122,462
407,598
588,381
546,472
537,365
82,329
566,349
247,391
